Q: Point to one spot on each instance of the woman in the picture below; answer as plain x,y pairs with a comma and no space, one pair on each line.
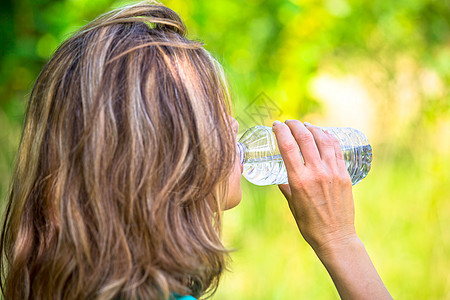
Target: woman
127,160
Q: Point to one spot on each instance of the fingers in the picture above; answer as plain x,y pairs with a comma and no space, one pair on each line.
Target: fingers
306,142
319,149
289,149
340,161
325,145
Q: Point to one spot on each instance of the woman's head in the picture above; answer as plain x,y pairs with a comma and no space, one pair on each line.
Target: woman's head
123,166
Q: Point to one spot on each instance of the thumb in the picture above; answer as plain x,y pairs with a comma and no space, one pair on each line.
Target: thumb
286,190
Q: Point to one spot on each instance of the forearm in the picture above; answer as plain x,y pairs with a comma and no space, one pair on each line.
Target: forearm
320,197
352,271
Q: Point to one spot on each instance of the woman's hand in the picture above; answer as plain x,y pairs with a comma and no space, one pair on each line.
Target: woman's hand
319,192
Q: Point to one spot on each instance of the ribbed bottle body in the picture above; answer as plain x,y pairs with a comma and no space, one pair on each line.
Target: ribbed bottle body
263,164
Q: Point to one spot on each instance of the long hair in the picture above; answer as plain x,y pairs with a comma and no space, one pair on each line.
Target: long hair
122,166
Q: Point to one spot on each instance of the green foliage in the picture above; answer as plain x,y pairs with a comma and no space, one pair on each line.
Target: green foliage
380,66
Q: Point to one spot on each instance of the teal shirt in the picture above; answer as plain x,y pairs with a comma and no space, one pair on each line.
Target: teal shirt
178,297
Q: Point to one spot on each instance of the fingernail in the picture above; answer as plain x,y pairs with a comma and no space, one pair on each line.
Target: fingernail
287,121
276,123
307,124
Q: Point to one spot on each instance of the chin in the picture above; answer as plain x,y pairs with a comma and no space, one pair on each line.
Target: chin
233,201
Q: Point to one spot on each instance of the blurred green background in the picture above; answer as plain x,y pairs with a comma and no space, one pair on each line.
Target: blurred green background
379,66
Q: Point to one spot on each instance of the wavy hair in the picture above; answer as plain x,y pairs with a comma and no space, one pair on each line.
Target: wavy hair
122,168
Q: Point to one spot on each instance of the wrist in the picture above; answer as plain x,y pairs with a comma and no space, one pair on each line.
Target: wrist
339,247
351,269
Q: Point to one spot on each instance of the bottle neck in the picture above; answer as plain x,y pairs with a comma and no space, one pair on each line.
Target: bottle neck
241,151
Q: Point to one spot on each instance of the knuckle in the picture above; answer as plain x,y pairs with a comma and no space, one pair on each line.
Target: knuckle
290,147
344,179
339,155
305,138
347,180
325,141
333,138
295,182
322,176
335,173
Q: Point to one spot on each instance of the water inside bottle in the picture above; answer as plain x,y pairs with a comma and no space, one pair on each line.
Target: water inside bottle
270,169
265,170
263,164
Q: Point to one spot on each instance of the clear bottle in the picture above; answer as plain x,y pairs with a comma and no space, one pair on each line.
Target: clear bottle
263,164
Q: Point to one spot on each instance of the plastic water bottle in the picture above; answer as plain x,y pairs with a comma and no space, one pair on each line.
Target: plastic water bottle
263,164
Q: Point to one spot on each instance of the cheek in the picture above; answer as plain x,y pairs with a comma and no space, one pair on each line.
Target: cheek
234,187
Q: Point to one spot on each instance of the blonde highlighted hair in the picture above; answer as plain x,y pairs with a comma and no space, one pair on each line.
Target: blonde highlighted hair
122,167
